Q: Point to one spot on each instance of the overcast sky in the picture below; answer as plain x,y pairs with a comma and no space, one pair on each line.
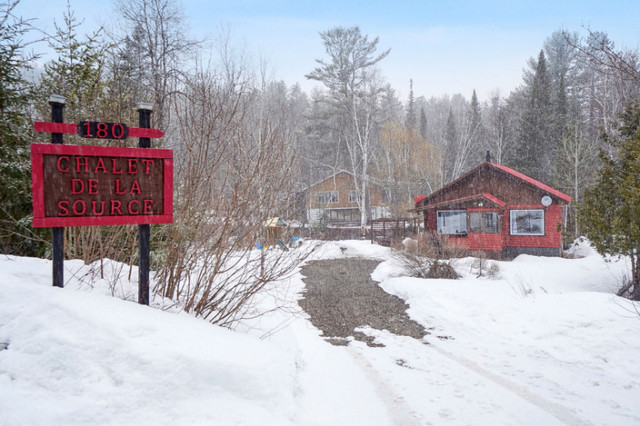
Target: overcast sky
446,46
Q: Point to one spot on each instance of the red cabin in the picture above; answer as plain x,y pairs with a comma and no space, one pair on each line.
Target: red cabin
497,209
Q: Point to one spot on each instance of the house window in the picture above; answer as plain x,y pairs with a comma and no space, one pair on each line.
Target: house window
451,222
353,197
483,222
327,197
343,215
527,222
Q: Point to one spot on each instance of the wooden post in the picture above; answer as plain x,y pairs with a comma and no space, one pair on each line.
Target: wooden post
144,110
57,116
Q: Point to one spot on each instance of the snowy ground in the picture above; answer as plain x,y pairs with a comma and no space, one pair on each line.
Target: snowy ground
542,342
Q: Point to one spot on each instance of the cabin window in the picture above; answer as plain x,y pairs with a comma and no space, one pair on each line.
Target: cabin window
483,222
353,197
451,222
527,222
327,197
343,215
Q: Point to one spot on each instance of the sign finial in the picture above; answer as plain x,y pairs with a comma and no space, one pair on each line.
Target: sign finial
146,106
57,99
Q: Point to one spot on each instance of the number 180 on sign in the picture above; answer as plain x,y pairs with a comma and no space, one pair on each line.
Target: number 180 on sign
102,130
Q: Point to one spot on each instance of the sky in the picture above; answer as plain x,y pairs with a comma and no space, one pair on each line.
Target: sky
445,47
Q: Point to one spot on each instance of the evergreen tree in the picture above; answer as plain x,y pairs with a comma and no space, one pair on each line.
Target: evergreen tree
423,124
410,121
16,234
534,151
476,143
77,72
474,112
610,210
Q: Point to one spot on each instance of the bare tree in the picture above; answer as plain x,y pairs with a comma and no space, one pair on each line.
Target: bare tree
234,171
577,160
609,81
158,36
407,166
498,123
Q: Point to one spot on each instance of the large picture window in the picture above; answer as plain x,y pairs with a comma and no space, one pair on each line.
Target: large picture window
451,222
483,222
527,222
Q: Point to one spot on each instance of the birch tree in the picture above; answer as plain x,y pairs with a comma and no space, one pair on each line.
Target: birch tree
349,74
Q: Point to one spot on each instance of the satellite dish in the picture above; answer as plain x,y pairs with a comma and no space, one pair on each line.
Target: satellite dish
546,201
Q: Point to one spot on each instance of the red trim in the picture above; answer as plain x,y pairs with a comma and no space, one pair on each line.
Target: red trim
138,132
168,189
65,149
37,183
419,198
45,126
72,128
493,199
50,222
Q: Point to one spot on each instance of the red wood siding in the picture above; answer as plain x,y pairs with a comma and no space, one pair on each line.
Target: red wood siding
506,190
552,238
553,216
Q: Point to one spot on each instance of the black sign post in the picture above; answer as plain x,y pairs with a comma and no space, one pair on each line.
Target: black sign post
144,110
57,116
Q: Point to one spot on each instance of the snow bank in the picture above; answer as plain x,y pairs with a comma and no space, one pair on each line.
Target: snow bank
541,341
78,358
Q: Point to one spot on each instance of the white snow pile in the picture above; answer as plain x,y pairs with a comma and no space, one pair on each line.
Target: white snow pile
539,341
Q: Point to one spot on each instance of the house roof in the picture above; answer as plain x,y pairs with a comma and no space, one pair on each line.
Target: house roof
371,181
503,169
533,182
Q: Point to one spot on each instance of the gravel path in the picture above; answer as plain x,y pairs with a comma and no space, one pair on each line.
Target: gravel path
341,296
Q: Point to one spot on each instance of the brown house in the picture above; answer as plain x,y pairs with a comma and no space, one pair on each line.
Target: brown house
332,201
497,209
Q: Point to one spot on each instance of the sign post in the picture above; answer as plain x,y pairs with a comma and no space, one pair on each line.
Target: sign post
144,110
57,116
85,185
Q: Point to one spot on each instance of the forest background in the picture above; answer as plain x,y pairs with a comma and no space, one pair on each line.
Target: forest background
246,143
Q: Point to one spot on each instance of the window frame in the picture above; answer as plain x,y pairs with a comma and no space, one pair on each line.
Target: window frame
483,228
461,212
332,198
513,218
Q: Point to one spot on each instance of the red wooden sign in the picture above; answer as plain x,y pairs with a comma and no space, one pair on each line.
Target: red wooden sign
97,129
91,185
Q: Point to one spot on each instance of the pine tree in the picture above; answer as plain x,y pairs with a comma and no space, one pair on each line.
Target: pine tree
477,149
610,210
410,121
16,234
77,72
534,151
423,124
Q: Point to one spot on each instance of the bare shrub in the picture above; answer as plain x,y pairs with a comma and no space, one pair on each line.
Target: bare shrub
234,171
483,266
429,255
